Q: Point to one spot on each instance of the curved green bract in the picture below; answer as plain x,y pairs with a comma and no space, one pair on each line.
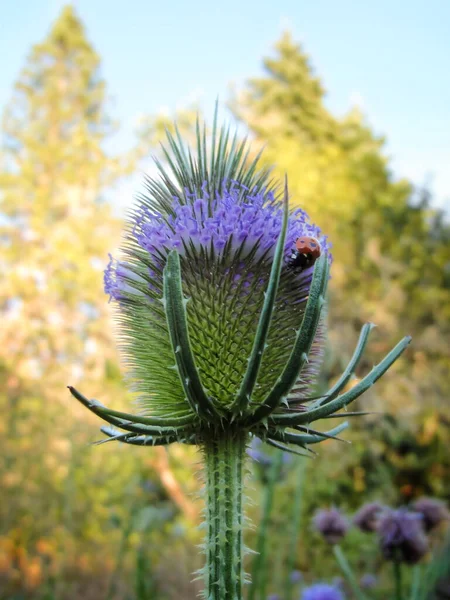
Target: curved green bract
254,362
302,345
140,440
179,337
345,399
350,368
103,411
303,440
126,424
284,448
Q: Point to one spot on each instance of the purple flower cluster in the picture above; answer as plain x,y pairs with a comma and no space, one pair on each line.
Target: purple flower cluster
433,512
322,591
264,462
238,221
367,516
331,524
257,454
368,581
295,576
402,537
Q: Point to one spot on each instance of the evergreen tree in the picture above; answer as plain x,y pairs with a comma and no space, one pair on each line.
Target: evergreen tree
391,253
55,232
56,229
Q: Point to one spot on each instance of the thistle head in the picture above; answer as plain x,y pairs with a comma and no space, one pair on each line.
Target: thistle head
433,512
402,537
367,516
220,300
331,524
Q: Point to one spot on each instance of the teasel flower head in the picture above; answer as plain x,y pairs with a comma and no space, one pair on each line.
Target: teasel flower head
219,292
367,516
433,512
332,524
220,329
402,536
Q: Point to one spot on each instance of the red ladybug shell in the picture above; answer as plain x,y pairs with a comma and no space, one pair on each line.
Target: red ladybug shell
308,245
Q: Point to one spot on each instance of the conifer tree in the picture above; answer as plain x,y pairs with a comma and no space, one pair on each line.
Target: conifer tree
56,228
390,249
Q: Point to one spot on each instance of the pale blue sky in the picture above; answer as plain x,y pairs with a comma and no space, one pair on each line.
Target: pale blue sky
391,57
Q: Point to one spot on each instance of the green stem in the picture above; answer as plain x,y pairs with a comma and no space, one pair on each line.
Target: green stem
259,579
416,581
224,458
347,571
398,579
295,531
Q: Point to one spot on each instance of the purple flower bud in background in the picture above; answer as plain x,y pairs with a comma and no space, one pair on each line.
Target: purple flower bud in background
257,454
338,582
322,591
367,516
273,597
433,512
402,537
295,576
331,524
368,581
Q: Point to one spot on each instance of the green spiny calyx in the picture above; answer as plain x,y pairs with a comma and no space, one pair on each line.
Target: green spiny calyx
221,331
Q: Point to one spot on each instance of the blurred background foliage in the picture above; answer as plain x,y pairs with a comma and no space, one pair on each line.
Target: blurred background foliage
81,521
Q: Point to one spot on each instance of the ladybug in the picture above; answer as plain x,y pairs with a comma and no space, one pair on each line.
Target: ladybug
306,252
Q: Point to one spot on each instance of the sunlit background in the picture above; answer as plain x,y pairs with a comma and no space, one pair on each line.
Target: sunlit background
352,101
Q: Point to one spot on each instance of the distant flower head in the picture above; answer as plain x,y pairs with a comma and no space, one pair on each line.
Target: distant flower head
273,597
265,462
338,582
368,581
367,516
331,524
322,591
295,576
257,453
402,536
433,512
